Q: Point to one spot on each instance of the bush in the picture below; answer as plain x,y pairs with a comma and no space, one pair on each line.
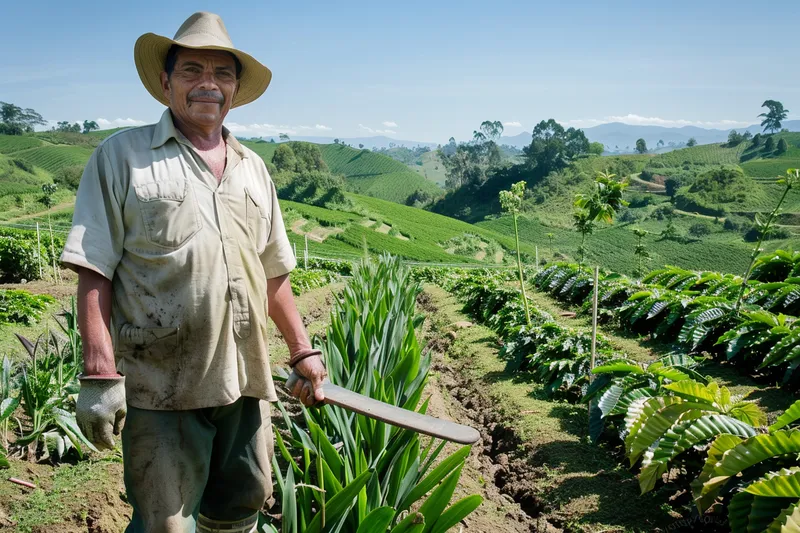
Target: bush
662,212
769,145
640,200
783,146
672,184
736,223
18,259
628,216
69,177
754,233
699,229
22,307
24,165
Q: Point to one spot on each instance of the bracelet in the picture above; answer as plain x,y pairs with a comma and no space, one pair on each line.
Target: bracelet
303,354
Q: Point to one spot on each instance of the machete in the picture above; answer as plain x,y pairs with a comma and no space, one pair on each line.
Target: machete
393,415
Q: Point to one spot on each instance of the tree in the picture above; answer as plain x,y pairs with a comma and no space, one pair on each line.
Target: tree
336,141
756,140
492,130
283,137
640,252
691,142
511,202
747,136
735,138
769,144
17,121
284,158
641,146
596,148
553,148
672,184
783,146
773,117
699,229
602,205
660,143
65,127
360,146
550,240
308,157
90,125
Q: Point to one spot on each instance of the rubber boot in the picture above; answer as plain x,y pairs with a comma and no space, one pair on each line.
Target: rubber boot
245,525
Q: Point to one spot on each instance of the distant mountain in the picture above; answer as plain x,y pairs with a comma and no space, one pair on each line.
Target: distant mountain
378,141
617,134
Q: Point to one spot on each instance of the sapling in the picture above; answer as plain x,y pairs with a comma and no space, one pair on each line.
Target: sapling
511,202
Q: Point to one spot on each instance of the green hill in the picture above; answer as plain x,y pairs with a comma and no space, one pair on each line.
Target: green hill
365,172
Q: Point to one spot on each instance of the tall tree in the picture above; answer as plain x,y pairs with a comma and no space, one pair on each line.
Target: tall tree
492,130
283,137
691,142
553,148
90,125
641,146
773,117
18,120
600,206
660,143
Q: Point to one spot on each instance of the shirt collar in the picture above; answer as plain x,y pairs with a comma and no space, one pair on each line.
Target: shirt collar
165,130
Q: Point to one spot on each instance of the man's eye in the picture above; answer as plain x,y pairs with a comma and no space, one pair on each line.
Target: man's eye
225,75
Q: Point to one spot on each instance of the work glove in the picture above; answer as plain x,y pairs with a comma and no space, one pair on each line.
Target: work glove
101,409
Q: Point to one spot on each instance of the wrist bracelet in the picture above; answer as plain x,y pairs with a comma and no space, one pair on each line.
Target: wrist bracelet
302,354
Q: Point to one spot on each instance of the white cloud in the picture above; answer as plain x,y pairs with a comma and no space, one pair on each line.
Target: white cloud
271,130
638,120
390,124
512,124
106,124
380,132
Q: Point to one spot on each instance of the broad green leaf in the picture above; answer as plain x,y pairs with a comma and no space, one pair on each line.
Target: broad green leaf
721,444
788,521
413,523
7,407
792,414
744,455
692,391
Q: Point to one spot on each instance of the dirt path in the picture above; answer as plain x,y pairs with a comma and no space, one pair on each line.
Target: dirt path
64,206
534,450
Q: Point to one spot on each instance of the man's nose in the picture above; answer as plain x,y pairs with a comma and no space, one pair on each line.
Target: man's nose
208,82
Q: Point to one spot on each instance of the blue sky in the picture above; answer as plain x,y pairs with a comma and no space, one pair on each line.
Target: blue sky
425,70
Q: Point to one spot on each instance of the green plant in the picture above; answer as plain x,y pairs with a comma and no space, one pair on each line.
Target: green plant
511,201
601,205
368,474
792,178
640,251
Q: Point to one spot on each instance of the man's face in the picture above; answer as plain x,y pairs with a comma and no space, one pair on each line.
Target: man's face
201,88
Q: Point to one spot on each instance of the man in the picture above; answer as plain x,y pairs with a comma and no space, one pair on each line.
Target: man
182,255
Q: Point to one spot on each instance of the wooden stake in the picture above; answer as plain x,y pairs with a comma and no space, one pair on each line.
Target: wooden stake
305,259
537,258
39,250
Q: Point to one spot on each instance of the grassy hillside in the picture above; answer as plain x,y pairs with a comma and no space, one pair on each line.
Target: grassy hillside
365,172
52,158
16,143
431,168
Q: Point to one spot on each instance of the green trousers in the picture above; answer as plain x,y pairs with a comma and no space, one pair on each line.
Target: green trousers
209,465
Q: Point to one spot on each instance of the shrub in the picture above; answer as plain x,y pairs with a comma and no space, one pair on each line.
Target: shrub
23,165
736,223
22,307
699,229
783,146
69,177
18,259
672,184
662,212
628,216
775,233
769,145
640,200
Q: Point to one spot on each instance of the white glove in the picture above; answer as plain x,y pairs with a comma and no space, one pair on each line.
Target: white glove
101,409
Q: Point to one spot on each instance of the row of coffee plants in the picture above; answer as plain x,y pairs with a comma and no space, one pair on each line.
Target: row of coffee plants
699,310
23,256
671,421
341,472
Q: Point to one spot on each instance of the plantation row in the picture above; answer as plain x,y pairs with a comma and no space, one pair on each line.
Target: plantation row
700,310
667,417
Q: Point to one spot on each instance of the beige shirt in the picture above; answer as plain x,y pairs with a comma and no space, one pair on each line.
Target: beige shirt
189,261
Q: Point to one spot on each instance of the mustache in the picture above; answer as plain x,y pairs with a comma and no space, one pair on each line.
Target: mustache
210,95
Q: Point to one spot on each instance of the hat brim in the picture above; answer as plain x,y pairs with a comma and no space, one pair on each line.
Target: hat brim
150,53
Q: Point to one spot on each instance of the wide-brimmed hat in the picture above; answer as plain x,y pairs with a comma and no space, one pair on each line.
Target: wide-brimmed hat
201,31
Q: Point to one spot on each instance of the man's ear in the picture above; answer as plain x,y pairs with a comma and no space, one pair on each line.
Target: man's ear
165,84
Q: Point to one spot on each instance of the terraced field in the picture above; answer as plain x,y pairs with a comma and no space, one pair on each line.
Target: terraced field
52,158
15,143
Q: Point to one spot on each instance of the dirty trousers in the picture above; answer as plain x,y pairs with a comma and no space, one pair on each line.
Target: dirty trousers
214,462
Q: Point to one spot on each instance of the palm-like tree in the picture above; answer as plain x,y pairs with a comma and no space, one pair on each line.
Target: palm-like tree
600,206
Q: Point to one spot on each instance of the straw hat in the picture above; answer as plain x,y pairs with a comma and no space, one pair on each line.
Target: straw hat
201,31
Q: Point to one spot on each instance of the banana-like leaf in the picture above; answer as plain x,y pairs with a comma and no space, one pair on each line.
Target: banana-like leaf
792,414
721,444
744,455
656,424
638,413
681,437
692,391
788,521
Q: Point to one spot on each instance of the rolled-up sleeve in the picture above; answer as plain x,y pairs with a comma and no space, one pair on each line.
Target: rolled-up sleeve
96,238
278,257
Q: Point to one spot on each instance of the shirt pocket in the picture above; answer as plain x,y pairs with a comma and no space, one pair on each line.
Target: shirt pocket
258,225
169,211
